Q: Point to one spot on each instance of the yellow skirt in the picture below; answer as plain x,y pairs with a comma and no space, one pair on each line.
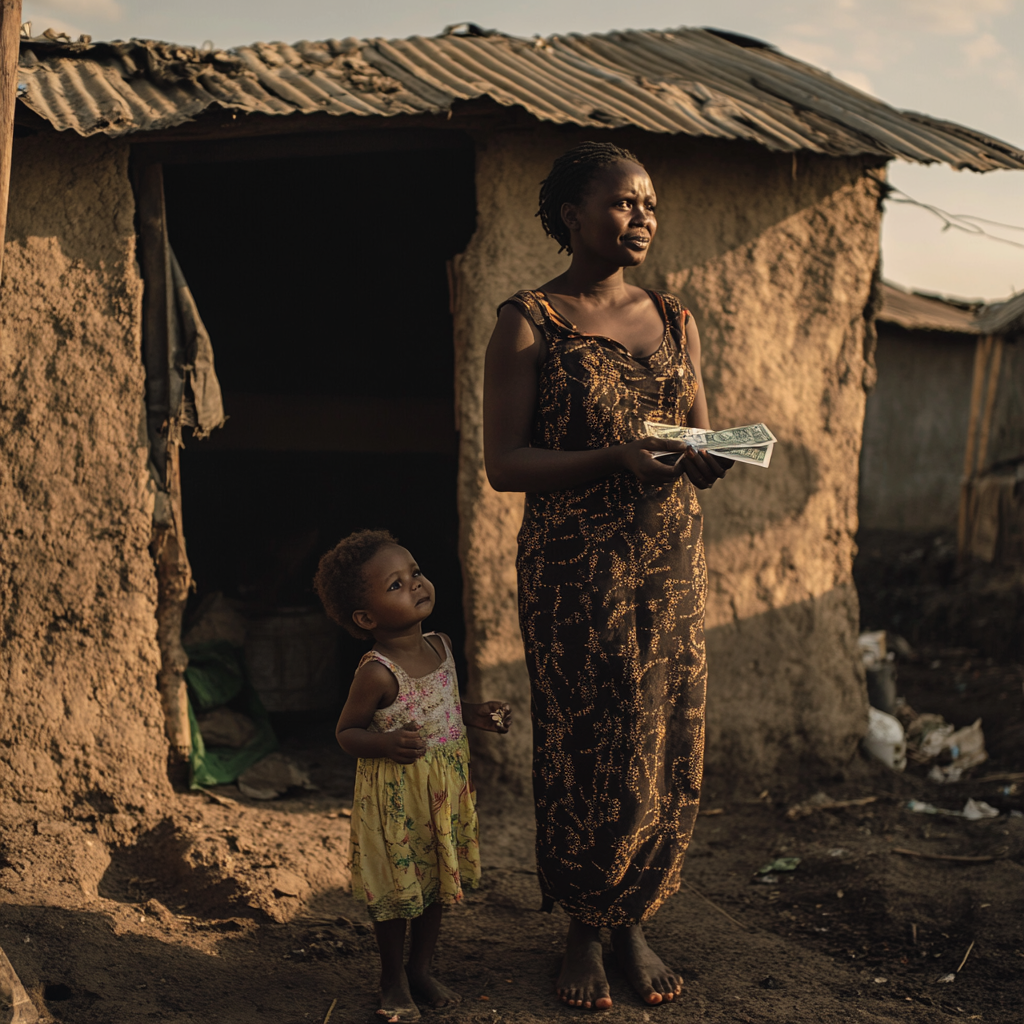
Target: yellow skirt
414,832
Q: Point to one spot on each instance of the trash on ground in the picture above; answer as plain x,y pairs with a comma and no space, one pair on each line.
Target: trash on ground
973,810
885,740
946,979
823,802
272,777
930,738
780,864
839,851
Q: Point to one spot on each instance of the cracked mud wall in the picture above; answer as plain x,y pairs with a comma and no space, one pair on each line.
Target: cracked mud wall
81,731
775,256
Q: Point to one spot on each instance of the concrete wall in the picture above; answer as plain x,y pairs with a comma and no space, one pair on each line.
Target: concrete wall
775,257
915,430
81,728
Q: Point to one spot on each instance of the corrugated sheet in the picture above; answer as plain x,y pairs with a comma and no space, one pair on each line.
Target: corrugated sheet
917,312
690,81
924,313
1002,317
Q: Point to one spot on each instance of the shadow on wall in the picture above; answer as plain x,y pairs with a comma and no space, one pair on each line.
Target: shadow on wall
767,497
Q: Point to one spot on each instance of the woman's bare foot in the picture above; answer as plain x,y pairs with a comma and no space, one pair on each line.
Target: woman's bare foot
396,1002
582,981
644,968
431,991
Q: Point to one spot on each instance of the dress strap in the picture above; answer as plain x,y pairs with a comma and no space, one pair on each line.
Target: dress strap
372,655
535,307
447,649
675,314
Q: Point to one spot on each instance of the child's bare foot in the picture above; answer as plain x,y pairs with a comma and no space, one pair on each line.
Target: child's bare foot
582,981
644,968
431,991
396,1003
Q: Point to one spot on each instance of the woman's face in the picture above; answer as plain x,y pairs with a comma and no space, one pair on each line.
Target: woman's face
615,220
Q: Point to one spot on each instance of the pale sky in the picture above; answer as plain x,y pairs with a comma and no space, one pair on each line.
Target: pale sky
961,60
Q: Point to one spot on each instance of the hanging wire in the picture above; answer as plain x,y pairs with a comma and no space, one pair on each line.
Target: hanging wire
965,222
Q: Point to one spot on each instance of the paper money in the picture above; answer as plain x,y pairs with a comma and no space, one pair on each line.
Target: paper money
752,444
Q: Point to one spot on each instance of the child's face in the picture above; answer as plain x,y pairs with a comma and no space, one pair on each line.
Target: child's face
398,595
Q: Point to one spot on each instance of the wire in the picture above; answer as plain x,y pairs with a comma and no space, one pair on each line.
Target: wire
965,222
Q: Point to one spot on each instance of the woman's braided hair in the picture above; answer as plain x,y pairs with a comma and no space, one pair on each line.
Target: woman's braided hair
339,578
567,182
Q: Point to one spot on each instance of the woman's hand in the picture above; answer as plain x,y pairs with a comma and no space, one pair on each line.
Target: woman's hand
404,745
702,469
481,716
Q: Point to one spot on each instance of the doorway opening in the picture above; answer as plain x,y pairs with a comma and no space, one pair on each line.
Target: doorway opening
323,282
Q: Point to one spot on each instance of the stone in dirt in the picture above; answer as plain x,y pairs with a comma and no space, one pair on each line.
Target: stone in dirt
15,1005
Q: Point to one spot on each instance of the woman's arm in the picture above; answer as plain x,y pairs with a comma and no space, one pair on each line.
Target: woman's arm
514,357
707,468
372,684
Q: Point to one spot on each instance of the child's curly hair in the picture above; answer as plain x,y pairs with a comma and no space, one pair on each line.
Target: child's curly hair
339,578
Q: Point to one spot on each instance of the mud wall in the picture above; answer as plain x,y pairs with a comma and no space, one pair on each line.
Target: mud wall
81,730
775,257
915,431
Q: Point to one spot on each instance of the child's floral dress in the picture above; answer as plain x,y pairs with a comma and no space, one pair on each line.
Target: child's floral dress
414,826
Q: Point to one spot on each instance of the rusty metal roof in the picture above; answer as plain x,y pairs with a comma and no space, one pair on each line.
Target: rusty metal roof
916,312
1002,317
690,81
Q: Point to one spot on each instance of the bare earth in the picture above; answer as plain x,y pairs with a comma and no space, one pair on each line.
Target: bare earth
236,913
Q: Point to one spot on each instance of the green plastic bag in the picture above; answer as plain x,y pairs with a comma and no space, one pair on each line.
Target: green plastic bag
215,677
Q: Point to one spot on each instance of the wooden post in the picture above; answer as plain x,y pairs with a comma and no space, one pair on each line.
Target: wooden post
981,353
173,572
991,393
10,49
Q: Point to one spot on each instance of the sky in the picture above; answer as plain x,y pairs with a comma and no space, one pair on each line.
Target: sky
960,60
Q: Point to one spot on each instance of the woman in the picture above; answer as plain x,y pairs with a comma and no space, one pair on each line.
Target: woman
611,566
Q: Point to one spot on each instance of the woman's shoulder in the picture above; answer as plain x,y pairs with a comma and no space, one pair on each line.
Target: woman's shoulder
528,302
672,306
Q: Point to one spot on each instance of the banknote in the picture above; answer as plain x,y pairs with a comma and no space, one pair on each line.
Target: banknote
752,435
752,444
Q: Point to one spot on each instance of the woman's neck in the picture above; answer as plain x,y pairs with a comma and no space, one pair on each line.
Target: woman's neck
591,280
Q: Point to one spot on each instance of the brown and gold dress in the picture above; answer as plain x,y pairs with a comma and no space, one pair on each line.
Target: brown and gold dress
612,586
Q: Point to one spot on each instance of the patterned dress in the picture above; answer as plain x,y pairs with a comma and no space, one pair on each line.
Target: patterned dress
612,587
414,826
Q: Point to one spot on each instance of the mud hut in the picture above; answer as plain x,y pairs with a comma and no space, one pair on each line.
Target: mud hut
347,214
944,425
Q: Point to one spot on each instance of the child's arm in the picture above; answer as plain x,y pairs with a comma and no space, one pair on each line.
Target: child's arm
373,685
482,716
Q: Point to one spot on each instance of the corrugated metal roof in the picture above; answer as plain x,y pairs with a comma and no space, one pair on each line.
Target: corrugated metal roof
917,312
690,81
1002,317
924,312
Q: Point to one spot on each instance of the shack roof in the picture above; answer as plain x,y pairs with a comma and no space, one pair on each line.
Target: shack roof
916,311
700,82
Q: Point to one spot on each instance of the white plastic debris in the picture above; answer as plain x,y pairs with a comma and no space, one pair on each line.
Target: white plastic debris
975,810
885,739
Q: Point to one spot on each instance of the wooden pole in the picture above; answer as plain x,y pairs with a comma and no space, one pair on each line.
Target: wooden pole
10,44
981,462
981,355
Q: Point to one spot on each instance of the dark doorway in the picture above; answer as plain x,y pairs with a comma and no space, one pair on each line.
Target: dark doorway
323,283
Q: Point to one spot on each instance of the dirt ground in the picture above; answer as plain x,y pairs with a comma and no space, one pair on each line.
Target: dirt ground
236,912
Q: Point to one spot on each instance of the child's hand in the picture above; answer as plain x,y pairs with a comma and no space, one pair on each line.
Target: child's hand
491,716
405,745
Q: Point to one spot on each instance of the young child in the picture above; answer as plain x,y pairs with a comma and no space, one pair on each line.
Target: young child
414,824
